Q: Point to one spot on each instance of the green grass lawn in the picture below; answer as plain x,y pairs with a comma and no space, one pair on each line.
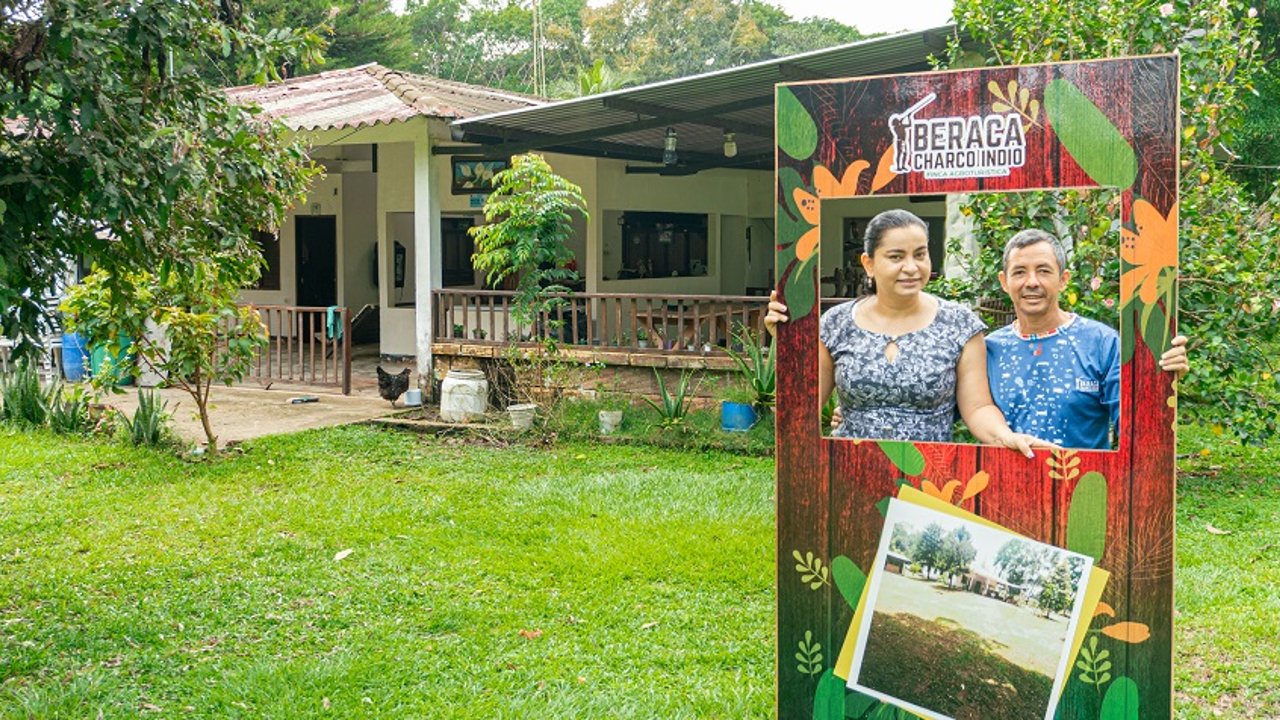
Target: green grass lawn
580,580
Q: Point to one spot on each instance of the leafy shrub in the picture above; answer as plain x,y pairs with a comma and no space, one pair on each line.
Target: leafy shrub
25,402
149,424
758,366
674,406
69,411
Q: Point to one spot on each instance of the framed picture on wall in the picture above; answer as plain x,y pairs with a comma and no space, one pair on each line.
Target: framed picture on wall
474,176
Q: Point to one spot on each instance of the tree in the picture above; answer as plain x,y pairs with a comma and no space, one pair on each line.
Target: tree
356,31
1019,564
901,540
528,220
1230,243
957,553
185,326
928,548
1058,591
116,149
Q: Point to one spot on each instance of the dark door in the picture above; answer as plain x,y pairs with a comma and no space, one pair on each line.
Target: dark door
317,253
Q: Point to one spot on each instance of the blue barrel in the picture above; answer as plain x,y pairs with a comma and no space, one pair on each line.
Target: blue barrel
736,416
74,357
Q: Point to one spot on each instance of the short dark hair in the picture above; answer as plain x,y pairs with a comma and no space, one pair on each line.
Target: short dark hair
883,223
1027,238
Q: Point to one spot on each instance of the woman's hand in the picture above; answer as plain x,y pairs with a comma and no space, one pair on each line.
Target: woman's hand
777,313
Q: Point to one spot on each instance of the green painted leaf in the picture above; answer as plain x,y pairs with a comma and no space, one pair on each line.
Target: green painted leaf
799,294
1087,516
849,579
1155,329
1121,701
828,699
1092,139
856,704
797,134
789,231
789,179
904,456
1129,316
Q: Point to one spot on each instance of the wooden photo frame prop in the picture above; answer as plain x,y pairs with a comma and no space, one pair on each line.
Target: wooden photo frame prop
1109,123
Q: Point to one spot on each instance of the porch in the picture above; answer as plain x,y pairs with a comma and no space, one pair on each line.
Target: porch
613,323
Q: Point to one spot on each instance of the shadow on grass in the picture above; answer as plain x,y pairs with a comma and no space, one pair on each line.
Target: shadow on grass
949,670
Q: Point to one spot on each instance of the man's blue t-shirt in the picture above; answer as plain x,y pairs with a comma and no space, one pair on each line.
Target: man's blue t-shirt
1063,387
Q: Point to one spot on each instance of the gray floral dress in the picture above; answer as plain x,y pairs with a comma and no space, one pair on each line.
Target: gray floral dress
912,397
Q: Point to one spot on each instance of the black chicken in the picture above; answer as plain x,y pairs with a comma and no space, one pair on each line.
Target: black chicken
391,387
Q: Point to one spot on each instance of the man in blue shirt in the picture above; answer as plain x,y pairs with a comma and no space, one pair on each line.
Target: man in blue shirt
1054,374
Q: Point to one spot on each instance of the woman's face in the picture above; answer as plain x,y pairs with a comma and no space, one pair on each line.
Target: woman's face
901,263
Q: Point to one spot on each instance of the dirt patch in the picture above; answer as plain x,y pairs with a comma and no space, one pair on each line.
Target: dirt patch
240,413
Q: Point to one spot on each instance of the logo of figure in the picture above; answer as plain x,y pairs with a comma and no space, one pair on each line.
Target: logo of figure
899,124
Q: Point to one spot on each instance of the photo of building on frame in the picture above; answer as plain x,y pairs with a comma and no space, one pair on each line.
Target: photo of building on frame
964,620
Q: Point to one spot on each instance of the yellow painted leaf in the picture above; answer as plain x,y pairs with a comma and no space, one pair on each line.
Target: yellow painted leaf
1130,632
976,484
930,489
1000,107
1023,96
1104,609
884,175
1034,110
1013,90
949,490
994,87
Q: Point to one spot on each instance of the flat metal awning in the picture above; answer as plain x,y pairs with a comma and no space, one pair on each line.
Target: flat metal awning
630,124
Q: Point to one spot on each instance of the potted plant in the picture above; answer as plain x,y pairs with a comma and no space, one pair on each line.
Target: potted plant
758,367
612,404
738,411
459,332
642,337
479,333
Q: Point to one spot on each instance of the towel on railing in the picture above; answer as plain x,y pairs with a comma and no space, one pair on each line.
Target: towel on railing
333,323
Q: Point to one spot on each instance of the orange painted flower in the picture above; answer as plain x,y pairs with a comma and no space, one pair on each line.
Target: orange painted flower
1150,250
826,185
807,243
945,493
808,205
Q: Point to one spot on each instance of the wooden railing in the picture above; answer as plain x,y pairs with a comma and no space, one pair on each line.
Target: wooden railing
308,345
672,323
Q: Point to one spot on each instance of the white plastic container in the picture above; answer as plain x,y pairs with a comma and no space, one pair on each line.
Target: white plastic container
522,415
464,396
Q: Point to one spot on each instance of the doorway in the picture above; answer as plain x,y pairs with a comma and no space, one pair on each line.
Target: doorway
317,260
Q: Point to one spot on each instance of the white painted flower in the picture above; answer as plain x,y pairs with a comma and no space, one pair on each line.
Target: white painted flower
1253,12
1166,10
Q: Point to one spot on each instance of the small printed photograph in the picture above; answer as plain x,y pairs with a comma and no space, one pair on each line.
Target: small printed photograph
966,621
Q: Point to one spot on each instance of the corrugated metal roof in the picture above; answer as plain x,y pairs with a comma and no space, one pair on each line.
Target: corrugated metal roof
631,123
370,94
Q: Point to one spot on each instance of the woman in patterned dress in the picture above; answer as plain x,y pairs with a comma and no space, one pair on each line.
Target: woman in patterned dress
901,360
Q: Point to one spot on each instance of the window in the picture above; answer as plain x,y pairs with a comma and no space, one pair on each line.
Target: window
269,246
657,244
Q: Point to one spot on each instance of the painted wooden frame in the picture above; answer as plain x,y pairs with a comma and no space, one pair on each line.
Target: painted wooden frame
1109,123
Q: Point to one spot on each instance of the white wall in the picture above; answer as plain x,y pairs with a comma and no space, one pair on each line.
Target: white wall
395,204
360,236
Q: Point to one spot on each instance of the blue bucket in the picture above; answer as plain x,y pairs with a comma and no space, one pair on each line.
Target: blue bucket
74,357
736,416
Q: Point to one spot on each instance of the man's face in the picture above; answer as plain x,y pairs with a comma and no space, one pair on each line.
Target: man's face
1033,280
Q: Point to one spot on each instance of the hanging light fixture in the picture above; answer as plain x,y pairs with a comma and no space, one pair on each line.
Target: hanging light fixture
669,156
730,146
